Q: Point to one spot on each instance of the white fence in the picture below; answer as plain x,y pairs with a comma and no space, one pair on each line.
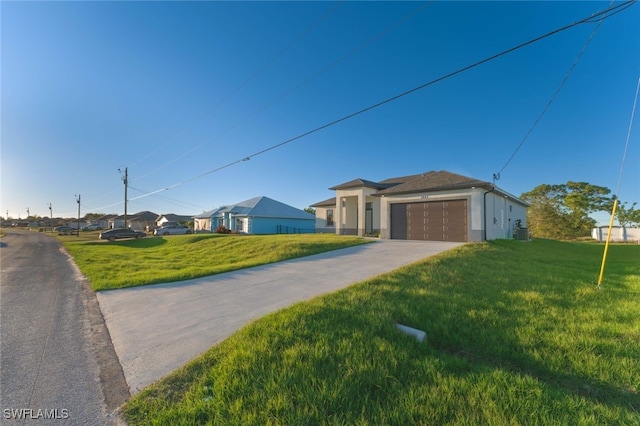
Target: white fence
618,234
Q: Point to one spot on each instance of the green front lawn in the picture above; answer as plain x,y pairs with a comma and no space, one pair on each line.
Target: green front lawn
128,263
517,333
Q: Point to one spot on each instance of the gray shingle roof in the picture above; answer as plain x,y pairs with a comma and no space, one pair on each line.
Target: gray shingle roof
267,207
331,202
433,181
359,183
174,217
260,207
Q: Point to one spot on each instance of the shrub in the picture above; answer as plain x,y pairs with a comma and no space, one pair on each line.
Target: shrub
222,230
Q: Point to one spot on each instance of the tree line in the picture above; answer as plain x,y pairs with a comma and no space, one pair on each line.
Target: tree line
562,211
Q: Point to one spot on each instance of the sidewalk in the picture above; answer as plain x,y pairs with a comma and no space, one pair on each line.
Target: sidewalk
156,329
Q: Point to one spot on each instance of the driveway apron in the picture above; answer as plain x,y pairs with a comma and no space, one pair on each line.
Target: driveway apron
155,329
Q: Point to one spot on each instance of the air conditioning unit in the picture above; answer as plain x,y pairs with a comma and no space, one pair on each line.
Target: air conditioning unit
522,234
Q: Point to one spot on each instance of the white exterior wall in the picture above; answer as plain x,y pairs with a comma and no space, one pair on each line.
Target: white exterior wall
502,214
200,225
240,224
321,220
501,217
349,215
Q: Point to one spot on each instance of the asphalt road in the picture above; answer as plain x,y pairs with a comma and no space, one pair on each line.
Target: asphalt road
57,363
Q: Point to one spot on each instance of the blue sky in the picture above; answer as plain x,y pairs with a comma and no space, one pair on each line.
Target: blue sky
174,90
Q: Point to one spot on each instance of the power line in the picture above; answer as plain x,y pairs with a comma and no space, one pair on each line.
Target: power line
236,90
610,11
555,94
298,86
626,146
173,201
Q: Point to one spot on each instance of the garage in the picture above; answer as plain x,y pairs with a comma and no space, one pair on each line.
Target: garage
431,220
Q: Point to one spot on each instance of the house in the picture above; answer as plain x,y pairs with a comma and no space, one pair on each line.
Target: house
174,218
76,224
105,221
137,221
259,215
435,206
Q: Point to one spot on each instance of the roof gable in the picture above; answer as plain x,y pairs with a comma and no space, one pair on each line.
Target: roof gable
433,181
331,202
210,213
173,217
259,207
143,216
359,183
267,207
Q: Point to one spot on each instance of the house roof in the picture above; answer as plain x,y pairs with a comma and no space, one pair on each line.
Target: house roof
398,180
433,181
425,182
260,207
331,202
210,213
143,216
384,184
359,183
266,207
173,217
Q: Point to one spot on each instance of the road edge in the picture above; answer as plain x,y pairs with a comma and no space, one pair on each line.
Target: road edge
114,385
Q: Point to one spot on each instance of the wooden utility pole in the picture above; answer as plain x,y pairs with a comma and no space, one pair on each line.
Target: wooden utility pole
78,223
125,180
51,217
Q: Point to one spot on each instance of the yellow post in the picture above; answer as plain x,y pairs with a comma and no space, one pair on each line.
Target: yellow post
606,245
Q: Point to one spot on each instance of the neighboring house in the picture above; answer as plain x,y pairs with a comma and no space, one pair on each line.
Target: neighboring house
170,217
618,234
259,215
77,224
434,206
104,221
137,221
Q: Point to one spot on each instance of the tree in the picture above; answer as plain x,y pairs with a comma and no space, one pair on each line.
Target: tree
628,217
310,210
562,211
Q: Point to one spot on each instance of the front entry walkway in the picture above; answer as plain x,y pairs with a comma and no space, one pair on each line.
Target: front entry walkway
156,329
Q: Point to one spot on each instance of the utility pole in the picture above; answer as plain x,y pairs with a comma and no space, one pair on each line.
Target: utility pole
125,180
51,217
28,213
78,223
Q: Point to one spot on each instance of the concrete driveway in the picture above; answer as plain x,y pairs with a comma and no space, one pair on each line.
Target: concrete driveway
157,328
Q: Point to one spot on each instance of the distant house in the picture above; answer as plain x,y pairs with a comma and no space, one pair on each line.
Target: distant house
77,224
137,221
170,217
105,221
434,206
259,215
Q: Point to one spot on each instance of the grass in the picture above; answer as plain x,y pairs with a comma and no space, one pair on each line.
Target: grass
129,263
517,333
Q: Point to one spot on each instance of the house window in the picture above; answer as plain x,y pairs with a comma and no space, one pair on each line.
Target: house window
239,224
329,217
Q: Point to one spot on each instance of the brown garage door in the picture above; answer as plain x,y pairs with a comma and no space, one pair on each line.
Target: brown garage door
432,221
